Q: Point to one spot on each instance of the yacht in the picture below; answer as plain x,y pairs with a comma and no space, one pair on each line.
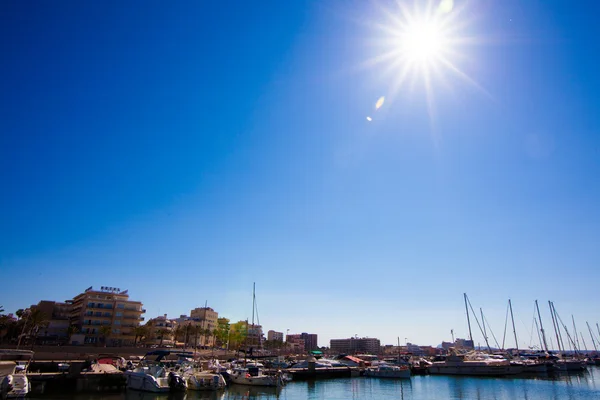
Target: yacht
473,364
197,379
253,375
13,378
384,370
150,375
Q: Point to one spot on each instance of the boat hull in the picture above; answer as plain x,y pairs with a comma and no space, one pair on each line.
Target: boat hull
471,370
390,374
147,383
14,386
205,382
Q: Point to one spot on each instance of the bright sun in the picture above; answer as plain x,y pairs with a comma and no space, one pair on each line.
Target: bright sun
422,42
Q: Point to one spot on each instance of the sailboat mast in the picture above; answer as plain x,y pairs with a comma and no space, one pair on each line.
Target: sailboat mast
554,324
483,322
583,340
253,306
513,324
541,326
468,320
537,329
592,336
575,332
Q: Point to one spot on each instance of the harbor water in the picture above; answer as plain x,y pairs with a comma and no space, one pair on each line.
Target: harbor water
584,385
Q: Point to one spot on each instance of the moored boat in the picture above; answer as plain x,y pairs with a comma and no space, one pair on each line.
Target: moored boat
253,375
461,364
13,378
383,370
150,375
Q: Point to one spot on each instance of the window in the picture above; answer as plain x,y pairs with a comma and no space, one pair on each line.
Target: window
118,314
121,306
117,322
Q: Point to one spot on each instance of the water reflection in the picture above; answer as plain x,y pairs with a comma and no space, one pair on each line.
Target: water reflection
252,392
190,395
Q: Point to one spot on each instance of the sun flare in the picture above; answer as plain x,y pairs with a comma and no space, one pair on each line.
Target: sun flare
422,42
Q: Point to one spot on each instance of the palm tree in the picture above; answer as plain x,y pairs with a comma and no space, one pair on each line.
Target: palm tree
161,335
105,332
36,320
71,330
188,330
1,308
139,332
6,325
196,330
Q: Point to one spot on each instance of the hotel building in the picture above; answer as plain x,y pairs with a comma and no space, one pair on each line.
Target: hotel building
93,309
355,345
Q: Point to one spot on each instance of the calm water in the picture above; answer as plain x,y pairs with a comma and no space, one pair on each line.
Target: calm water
568,387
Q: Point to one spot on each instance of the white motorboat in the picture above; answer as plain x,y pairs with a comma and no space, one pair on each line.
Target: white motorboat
150,375
196,379
384,370
476,365
253,375
13,378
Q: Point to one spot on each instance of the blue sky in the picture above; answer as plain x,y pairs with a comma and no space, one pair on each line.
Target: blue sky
185,151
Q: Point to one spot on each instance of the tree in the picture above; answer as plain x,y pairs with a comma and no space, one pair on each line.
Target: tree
139,332
105,332
150,331
36,320
1,308
71,330
196,331
161,335
178,332
237,334
7,327
19,313
222,331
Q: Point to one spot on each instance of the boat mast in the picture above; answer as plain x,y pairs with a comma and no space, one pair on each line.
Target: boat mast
537,329
583,340
513,324
253,306
485,336
575,333
554,324
541,326
468,320
592,336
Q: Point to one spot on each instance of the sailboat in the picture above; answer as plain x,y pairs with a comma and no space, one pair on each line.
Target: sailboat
252,374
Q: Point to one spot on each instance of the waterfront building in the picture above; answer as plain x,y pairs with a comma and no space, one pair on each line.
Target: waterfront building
355,345
295,343
56,330
161,331
414,349
94,309
308,340
206,318
273,336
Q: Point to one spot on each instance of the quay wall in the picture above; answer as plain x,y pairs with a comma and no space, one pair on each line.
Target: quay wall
86,352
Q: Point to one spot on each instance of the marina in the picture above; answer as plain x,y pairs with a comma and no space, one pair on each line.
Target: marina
582,385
